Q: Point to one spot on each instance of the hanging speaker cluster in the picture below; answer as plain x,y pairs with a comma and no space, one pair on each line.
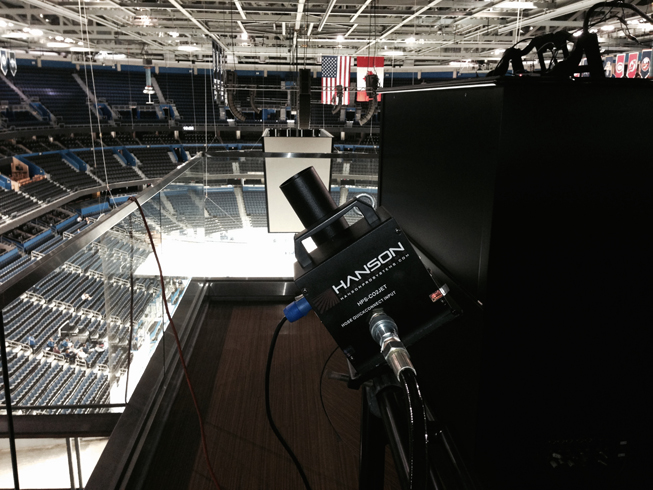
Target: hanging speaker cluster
338,99
232,80
8,62
372,84
252,101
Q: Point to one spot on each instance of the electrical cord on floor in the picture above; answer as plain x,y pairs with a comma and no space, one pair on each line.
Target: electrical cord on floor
321,395
417,433
268,410
179,351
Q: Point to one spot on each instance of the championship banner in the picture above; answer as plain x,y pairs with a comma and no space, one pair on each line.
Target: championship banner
13,66
619,66
3,61
645,63
367,65
633,59
608,66
335,71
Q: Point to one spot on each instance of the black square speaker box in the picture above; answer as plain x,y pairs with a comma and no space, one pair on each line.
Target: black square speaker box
531,199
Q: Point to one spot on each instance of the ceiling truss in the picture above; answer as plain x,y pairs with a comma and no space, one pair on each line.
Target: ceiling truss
410,32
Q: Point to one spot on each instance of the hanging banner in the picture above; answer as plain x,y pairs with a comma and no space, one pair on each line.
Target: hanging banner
13,66
367,65
3,61
608,66
645,63
633,60
335,71
619,66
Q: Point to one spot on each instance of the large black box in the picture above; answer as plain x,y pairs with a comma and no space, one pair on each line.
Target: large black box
370,265
533,199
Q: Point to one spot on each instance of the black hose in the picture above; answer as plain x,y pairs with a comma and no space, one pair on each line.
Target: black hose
417,433
268,410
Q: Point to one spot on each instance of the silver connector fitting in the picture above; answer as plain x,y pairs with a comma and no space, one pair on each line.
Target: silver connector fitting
384,331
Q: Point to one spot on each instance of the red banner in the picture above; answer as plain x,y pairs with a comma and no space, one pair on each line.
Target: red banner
619,66
366,65
633,60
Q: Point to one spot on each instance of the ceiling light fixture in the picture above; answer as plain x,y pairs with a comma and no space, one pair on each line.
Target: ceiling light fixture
188,47
244,34
43,53
240,9
360,11
190,17
300,11
57,44
402,23
16,35
351,30
515,5
326,15
310,29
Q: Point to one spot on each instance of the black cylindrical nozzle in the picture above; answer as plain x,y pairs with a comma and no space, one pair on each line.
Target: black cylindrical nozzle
312,203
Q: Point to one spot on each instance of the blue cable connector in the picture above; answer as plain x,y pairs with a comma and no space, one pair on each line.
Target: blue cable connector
296,310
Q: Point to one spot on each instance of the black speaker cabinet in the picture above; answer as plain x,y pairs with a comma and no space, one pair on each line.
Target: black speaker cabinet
533,199
304,111
304,81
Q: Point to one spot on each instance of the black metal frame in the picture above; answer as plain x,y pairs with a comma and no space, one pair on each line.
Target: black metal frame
383,423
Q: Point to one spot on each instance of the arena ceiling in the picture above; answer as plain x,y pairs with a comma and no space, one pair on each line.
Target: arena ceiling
276,32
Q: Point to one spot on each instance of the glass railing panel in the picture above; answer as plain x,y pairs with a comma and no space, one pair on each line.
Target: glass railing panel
44,463
79,338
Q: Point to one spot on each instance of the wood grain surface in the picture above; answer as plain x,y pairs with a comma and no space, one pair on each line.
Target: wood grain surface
227,369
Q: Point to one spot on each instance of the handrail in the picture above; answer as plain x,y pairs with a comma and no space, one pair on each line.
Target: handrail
38,270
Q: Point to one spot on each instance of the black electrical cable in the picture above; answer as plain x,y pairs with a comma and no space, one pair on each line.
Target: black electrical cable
268,411
321,395
417,433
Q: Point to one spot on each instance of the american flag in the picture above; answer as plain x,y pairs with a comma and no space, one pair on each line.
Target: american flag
335,71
